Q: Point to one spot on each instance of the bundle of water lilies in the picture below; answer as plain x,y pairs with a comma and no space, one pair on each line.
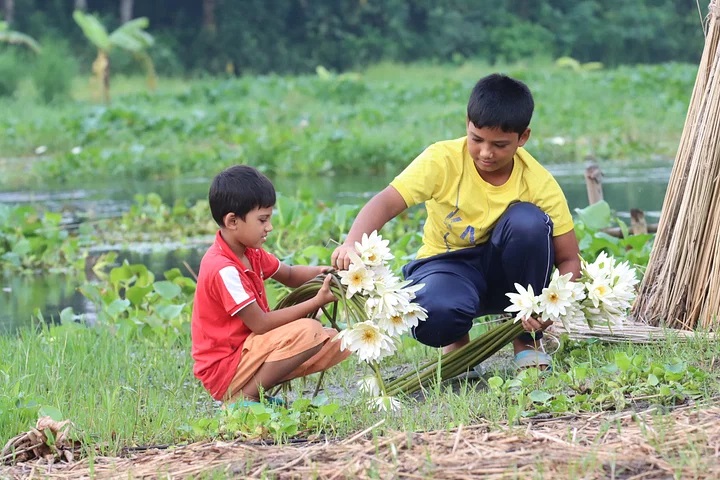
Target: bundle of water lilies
601,296
376,308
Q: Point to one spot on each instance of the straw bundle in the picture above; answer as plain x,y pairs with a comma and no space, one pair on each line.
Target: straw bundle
682,284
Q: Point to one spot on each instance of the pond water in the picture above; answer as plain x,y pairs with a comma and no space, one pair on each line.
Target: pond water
22,297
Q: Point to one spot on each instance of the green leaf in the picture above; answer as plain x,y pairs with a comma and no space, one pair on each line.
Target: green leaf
136,294
652,380
495,382
167,290
539,396
169,312
121,275
596,216
93,30
117,307
52,412
622,361
172,274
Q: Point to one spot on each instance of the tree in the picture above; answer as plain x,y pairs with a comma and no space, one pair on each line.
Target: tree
209,16
9,11
17,38
130,36
126,10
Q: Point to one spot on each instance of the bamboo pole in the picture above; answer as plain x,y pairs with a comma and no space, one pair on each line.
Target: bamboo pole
681,284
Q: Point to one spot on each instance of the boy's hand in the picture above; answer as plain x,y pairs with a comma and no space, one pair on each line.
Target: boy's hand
340,258
532,324
325,295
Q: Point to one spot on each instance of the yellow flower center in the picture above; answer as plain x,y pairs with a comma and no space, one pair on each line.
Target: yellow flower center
396,320
369,335
554,297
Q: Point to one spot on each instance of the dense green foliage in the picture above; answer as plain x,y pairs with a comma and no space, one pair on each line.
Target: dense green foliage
376,121
256,36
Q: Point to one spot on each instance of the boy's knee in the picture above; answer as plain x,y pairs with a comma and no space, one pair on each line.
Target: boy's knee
443,326
527,220
308,328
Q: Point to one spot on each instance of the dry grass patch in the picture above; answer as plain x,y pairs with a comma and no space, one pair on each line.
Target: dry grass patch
683,443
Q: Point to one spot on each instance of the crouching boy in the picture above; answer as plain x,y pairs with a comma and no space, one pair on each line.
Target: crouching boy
241,348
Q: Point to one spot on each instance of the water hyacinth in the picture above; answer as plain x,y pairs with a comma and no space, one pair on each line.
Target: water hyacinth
602,295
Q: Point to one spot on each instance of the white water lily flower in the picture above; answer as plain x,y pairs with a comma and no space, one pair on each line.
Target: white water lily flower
40,150
554,301
414,314
394,325
390,297
367,340
76,150
525,303
574,315
369,385
385,403
599,292
373,250
578,292
358,278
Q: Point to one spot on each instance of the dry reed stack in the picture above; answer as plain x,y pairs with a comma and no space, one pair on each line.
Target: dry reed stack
681,288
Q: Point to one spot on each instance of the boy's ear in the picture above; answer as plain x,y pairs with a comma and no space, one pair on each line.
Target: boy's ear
230,220
524,137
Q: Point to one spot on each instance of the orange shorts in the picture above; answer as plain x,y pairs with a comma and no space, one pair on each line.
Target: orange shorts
284,342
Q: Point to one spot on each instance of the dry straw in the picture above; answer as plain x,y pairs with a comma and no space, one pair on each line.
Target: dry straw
633,445
681,288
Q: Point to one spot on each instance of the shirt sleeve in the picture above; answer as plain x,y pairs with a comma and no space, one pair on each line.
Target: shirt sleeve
269,264
553,202
234,293
422,178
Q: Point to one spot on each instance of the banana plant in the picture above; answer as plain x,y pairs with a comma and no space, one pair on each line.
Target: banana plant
130,36
17,38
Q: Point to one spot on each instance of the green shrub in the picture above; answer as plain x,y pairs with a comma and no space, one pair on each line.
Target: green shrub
10,73
54,71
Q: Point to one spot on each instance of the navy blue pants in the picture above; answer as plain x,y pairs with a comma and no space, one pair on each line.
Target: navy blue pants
471,282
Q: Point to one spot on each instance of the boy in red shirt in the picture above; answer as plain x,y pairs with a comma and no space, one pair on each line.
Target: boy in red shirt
240,347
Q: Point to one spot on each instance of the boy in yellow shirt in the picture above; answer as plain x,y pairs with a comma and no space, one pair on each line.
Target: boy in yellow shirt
495,217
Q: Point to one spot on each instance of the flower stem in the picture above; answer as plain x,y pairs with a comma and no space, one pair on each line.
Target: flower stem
458,361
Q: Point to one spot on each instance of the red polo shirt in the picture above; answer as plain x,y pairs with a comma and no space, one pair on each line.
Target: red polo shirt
224,287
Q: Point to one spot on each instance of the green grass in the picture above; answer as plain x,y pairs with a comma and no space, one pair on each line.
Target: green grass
122,393
375,121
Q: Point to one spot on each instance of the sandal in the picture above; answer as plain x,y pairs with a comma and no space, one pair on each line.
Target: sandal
533,359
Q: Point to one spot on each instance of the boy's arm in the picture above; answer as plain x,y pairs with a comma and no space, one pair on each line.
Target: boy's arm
295,275
567,254
259,321
383,207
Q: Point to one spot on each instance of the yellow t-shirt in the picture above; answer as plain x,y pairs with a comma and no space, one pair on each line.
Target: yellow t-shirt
461,207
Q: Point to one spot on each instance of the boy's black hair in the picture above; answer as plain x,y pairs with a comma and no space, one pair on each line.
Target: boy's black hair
498,101
239,189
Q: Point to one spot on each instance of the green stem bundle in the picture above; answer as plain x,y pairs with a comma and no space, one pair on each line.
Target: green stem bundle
354,308
451,364
458,361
